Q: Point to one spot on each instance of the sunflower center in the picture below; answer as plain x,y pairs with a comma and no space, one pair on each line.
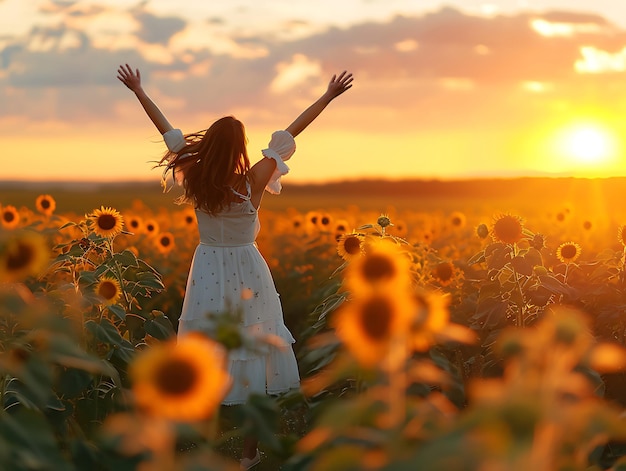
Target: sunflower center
107,290
568,251
165,241
376,318
325,221
45,204
352,245
107,222
508,229
444,271
134,223
8,216
378,268
175,377
20,257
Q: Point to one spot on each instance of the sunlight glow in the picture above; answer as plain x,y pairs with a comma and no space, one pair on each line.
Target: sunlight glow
587,143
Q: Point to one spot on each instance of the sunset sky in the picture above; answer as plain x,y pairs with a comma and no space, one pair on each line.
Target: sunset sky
454,89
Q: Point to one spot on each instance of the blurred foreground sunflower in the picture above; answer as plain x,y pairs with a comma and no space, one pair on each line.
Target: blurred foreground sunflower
107,222
108,290
23,254
182,380
9,217
45,204
370,325
384,265
568,252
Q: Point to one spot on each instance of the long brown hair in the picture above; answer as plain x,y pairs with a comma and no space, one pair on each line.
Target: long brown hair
212,159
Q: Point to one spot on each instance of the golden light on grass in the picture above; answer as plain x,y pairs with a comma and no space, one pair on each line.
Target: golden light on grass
350,245
182,380
621,234
45,204
164,242
9,217
369,325
508,229
568,252
106,222
384,265
23,254
108,289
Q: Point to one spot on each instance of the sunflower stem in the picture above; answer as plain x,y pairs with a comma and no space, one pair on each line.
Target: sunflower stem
521,314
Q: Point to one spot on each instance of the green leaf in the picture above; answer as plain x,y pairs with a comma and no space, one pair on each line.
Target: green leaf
126,259
33,443
118,310
160,327
554,285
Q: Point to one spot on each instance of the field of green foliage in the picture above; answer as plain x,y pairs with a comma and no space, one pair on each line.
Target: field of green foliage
459,325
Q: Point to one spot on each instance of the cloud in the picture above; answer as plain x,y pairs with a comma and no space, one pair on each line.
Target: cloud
156,29
416,68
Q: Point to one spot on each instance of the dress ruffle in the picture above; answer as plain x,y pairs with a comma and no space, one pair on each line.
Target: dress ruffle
281,147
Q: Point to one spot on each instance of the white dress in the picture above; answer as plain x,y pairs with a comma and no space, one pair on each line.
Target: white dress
228,273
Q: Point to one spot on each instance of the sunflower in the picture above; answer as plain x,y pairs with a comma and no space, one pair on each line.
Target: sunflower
457,219
482,231
370,325
9,217
107,222
108,290
341,226
45,204
398,229
350,245
324,222
445,273
164,242
134,223
25,253
508,229
568,252
182,380
384,221
383,265
151,226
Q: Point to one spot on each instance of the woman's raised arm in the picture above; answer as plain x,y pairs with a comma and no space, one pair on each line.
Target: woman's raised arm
336,87
132,79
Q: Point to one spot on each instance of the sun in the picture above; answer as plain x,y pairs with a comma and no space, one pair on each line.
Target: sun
587,144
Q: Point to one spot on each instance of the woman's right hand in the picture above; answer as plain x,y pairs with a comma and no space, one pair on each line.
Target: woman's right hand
129,78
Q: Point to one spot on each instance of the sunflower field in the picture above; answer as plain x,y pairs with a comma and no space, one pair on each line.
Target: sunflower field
432,334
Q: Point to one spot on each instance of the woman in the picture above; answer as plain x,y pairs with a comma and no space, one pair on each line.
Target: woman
228,274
